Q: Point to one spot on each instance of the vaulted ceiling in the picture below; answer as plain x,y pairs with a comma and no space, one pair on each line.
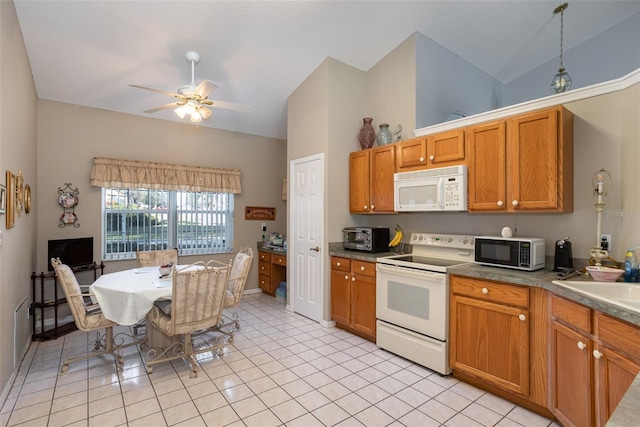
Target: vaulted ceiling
88,52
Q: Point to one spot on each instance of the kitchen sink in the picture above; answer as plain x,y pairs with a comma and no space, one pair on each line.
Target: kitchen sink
619,293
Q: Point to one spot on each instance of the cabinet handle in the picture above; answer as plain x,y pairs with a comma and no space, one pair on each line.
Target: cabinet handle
581,345
485,291
500,203
372,207
337,264
261,268
431,157
346,277
353,279
362,268
421,159
597,354
514,203
279,259
366,207
522,317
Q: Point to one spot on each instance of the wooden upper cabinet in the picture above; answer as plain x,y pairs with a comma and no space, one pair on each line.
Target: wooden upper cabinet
411,155
526,166
359,181
446,148
371,180
433,151
487,166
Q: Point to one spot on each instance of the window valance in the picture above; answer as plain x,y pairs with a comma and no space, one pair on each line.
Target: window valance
115,173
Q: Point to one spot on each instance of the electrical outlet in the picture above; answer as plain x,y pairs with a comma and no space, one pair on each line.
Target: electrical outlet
605,241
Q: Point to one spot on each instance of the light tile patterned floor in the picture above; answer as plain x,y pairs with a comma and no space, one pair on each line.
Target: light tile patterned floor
282,369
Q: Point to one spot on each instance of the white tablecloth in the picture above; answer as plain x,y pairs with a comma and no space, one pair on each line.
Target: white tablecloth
126,297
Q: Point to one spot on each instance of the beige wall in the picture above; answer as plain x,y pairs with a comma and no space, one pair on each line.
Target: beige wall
18,117
391,89
71,136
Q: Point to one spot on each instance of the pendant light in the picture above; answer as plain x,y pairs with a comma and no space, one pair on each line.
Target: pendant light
561,81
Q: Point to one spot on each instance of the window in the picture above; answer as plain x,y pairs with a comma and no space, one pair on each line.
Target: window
144,219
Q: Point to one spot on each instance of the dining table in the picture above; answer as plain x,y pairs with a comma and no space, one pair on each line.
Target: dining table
125,297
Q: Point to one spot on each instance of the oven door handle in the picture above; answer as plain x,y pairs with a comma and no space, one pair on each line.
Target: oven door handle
411,272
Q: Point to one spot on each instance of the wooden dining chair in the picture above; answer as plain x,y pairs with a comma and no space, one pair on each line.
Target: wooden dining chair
87,317
197,299
234,289
160,257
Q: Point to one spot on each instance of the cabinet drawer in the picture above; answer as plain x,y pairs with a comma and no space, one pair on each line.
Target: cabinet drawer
264,256
264,282
279,259
491,291
341,264
618,335
264,267
364,268
571,313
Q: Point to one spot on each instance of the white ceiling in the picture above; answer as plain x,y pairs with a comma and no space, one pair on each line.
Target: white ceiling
87,52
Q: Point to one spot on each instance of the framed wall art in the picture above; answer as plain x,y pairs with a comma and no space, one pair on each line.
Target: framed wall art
3,198
10,210
259,213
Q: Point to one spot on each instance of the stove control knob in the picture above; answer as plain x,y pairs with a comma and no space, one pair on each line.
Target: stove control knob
420,238
465,241
449,240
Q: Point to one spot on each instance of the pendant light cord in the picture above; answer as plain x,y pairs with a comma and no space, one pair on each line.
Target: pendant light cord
561,35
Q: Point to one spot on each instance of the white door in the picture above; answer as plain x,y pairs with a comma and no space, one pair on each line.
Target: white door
306,247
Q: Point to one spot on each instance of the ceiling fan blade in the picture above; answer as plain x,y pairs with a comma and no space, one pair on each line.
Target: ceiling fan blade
175,95
205,88
164,107
230,105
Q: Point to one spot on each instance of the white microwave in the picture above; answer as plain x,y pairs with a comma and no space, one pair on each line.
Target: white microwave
440,189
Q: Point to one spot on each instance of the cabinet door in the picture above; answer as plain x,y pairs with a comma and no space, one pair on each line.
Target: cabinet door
446,148
363,304
571,376
382,168
359,174
487,167
411,155
341,297
490,342
533,161
614,374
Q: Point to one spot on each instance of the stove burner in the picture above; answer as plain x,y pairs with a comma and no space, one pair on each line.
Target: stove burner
428,261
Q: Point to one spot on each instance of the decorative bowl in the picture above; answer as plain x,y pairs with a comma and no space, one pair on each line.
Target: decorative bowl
604,274
166,270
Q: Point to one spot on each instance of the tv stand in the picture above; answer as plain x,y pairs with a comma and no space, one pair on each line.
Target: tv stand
40,303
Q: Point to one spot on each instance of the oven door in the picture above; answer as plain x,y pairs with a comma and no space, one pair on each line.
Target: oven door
414,299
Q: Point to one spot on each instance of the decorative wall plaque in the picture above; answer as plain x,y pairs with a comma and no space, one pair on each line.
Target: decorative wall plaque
259,213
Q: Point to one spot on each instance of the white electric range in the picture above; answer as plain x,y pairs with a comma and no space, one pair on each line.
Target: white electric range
412,298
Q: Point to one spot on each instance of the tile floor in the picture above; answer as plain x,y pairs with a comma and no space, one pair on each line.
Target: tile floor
282,369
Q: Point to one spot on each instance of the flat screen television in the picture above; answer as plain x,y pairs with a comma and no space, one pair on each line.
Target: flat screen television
73,252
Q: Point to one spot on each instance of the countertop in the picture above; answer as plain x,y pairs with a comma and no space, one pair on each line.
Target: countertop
626,414
263,248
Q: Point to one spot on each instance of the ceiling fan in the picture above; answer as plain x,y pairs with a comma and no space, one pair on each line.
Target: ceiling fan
193,100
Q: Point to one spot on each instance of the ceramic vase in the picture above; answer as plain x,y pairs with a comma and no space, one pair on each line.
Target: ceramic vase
384,134
367,135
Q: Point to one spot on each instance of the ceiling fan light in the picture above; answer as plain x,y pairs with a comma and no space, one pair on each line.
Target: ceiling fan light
190,107
205,113
196,117
180,111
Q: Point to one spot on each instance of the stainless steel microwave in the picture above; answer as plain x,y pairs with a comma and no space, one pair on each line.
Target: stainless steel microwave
520,253
366,239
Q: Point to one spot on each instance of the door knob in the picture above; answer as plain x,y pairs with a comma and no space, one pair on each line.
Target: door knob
317,249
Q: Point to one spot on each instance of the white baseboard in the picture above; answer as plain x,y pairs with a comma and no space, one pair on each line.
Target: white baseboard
327,323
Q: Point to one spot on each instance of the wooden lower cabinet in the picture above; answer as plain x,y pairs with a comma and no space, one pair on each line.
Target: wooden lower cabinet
594,359
498,339
353,296
272,269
